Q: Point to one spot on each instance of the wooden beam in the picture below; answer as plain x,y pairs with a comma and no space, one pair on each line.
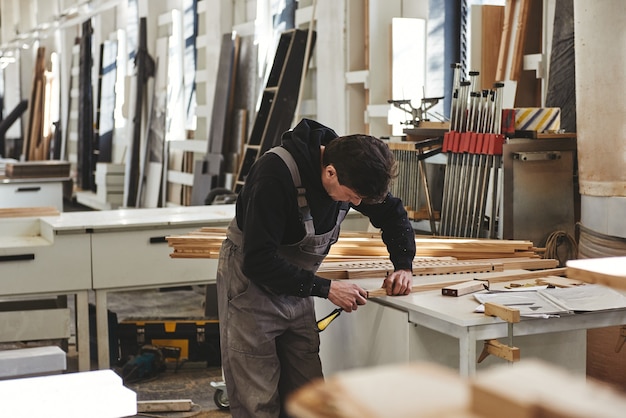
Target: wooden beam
608,271
373,293
165,405
505,39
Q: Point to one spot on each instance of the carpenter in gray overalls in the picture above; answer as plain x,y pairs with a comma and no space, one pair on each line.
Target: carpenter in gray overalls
273,335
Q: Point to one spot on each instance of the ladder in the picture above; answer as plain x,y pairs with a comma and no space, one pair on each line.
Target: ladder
279,100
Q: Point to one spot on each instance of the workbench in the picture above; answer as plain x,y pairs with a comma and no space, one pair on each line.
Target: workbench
426,326
128,251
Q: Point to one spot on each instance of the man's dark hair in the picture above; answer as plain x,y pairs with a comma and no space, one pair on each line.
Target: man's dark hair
364,164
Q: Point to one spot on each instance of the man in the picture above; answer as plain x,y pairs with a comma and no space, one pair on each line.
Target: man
287,217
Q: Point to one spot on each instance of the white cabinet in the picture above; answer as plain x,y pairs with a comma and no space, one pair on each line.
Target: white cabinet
25,193
41,267
136,258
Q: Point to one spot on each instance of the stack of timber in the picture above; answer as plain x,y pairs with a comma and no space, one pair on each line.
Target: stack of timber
365,246
38,169
361,244
202,243
36,146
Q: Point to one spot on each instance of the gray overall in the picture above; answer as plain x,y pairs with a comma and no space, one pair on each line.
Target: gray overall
269,342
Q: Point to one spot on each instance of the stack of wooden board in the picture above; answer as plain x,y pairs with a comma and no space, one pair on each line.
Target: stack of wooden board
355,246
202,243
38,169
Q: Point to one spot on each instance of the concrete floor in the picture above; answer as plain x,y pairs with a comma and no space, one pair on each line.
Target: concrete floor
190,380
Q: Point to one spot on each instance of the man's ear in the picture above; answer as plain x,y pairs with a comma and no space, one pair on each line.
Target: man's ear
330,171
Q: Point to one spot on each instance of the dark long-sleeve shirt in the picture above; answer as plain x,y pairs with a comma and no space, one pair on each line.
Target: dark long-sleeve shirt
268,215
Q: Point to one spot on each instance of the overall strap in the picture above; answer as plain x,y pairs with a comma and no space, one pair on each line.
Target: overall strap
303,205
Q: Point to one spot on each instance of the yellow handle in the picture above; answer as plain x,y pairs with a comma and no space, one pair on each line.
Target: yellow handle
324,322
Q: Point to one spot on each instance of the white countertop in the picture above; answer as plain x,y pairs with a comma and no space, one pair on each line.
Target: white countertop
68,222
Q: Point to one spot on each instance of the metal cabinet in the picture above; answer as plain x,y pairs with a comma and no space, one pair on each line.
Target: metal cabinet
540,193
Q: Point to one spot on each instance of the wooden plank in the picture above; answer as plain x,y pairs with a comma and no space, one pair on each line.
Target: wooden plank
608,271
492,21
534,388
433,390
29,212
32,142
380,268
370,245
505,39
165,405
520,36
500,278
528,263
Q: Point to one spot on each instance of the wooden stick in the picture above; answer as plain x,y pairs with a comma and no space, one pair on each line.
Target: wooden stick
498,279
505,39
165,405
520,36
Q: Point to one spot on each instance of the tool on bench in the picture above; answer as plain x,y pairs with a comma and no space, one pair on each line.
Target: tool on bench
495,347
465,288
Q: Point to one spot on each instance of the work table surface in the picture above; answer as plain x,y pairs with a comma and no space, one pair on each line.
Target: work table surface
144,217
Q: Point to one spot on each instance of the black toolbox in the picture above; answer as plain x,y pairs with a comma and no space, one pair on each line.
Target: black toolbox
188,339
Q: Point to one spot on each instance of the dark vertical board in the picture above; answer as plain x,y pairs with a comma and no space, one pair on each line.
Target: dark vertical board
144,70
84,172
105,121
7,122
562,78
279,99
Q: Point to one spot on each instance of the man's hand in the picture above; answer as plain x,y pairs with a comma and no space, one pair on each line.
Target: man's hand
347,296
399,282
